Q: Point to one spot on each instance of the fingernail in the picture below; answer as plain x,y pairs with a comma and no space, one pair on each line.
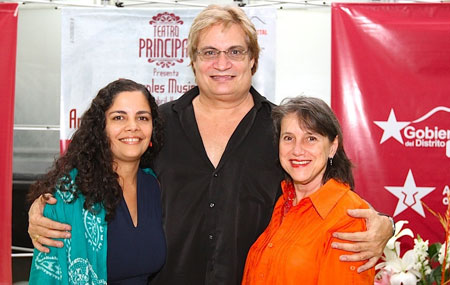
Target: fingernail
67,235
333,245
47,250
342,258
60,244
334,234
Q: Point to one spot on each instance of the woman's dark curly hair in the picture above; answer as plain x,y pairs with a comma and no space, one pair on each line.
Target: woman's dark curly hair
90,153
315,115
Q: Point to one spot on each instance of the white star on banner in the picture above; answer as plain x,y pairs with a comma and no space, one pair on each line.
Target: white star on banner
391,128
409,195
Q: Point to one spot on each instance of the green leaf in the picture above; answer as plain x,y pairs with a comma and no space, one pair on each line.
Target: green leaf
433,251
436,275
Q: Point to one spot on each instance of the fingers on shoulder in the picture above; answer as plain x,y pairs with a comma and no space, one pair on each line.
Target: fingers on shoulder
361,213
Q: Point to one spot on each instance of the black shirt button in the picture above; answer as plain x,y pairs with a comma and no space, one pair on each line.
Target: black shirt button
211,236
215,174
211,205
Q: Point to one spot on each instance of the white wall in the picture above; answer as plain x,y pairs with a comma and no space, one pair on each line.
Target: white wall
303,53
37,88
38,66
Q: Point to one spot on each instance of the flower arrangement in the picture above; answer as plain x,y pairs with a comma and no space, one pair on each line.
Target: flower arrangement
424,264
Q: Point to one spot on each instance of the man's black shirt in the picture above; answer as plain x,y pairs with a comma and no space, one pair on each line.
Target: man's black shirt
213,215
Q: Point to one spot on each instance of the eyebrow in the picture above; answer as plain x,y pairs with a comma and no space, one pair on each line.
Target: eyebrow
307,132
123,112
211,47
144,112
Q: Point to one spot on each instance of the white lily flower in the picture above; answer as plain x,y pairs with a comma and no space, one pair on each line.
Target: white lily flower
415,263
399,232
404,264
403,278
403,269
390,257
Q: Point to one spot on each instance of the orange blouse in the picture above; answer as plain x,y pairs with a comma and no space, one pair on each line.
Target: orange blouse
296,248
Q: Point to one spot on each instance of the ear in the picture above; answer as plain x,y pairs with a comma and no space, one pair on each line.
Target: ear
334,147
252,63
193,67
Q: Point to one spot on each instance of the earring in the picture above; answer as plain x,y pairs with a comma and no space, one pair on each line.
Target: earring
330,161
150,144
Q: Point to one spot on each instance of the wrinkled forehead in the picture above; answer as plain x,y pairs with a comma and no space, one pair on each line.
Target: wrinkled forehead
222,34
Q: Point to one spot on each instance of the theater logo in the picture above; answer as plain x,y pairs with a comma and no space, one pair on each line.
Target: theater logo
166,47
417,133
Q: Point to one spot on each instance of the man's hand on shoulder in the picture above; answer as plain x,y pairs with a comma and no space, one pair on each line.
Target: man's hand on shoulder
368,245
42,229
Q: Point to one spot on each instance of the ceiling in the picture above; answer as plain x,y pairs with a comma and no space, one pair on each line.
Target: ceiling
286,4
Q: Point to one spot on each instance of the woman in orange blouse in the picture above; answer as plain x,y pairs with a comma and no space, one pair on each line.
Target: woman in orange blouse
296,246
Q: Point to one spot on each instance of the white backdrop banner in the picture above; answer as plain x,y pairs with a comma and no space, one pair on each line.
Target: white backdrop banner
148,46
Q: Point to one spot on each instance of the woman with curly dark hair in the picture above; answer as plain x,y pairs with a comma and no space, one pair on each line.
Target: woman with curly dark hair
106,192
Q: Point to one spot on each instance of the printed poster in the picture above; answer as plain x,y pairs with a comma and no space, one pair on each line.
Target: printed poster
148,46
391,92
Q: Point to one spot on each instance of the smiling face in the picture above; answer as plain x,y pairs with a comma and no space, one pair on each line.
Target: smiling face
129,126
222,76
304,154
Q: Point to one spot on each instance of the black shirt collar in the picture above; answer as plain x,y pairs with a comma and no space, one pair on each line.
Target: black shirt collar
186,99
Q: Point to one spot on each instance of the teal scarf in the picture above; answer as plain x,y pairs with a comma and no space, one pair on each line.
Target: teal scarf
82,260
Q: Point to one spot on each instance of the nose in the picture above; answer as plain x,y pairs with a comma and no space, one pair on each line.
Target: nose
222,62
298,148
132,125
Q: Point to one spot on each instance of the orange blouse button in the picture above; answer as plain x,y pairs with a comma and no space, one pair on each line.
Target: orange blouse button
352,268
270,244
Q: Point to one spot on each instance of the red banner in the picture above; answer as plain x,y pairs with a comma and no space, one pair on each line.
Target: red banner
391,92
8,42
